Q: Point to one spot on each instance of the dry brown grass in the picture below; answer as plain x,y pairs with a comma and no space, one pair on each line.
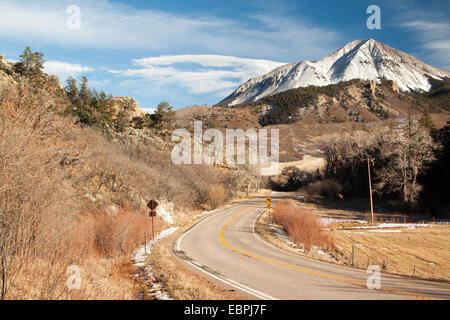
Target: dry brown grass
60,188
216,196
421,252
100,244
47,165
302,226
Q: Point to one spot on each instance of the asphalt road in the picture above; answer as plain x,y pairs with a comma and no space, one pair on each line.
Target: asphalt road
224,247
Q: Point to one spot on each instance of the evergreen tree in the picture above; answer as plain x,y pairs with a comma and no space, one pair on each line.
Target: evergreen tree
31,65
164,116
71,89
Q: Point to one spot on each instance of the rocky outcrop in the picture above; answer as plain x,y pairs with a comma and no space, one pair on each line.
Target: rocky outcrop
6,70
373,88
129,107
395,87
160,139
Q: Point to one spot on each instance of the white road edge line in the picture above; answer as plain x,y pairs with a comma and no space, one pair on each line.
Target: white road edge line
227,281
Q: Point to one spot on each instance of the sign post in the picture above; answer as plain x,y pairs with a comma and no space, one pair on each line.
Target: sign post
152,204
269,201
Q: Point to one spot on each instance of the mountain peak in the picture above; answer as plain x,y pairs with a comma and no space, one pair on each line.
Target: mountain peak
366,59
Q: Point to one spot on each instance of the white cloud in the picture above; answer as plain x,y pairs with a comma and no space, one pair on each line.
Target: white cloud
434,37
199,73
149,110
64,69
106,24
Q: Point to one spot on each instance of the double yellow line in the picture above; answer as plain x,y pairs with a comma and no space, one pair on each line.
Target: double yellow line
318,274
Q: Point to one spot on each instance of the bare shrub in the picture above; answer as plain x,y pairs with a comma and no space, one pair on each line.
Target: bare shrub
329,188
49,169
216,196
118,234
301,225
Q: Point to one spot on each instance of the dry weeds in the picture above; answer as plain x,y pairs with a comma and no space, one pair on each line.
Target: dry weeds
302,226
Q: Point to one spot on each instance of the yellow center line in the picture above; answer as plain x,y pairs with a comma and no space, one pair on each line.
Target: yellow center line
318,274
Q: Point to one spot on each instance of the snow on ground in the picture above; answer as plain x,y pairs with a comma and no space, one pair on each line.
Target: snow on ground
382,227
385,231
328,220
157,290
394,225
280,233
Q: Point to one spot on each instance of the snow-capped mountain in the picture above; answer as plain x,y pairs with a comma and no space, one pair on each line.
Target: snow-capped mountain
360,59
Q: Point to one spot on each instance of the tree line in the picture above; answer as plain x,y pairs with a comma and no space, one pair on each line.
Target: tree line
90,106
408,164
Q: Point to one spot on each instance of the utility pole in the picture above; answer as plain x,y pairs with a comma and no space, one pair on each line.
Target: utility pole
370,188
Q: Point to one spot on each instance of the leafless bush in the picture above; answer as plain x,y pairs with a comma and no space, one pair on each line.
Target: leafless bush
329,188
50,169
217,196
302,226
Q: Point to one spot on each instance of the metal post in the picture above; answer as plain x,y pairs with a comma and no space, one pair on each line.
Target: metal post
353,254
153,230
370,188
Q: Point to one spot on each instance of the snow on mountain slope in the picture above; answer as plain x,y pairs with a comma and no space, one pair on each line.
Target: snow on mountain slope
360,59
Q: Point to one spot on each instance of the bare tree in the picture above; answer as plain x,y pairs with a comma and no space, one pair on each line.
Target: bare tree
405,153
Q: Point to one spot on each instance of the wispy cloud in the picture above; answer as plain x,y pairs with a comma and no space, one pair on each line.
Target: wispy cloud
435,37
430,28
200,74
106,24
64,69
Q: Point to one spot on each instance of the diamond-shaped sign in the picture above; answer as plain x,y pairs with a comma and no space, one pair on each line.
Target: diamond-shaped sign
152,204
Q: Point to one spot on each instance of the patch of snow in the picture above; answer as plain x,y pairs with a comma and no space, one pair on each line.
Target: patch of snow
327,220
394,225
385,231
353,232
157,290
205,213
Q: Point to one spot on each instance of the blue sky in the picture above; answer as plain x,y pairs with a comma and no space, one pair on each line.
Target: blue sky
197,52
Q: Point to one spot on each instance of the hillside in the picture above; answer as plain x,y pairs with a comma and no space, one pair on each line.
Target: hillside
75,193
304,114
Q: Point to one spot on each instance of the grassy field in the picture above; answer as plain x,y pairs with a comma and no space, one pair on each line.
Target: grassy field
409,249
422,252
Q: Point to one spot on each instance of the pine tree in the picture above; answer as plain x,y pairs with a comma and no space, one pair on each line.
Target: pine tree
71,89
32,63
164,116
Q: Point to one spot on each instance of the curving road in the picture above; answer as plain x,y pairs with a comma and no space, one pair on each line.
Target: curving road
224,247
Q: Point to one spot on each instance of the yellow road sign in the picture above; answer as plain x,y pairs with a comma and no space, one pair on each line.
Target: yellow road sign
269,200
